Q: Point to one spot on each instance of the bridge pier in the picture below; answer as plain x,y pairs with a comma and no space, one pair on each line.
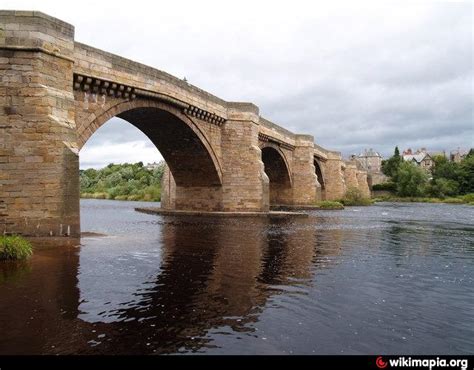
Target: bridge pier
245,186
335,185
39,166
304,173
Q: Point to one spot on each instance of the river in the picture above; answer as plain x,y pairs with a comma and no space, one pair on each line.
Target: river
385,279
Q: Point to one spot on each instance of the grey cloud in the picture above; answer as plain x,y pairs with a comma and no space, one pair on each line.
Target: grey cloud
116,131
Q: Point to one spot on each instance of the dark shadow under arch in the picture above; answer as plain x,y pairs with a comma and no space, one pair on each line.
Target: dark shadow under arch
182,144
321,191
319,174
278,173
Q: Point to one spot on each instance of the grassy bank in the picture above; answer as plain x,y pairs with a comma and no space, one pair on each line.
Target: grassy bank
460,199
149,194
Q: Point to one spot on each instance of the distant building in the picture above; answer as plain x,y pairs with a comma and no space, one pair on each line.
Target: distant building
152,166
420,158
371,161
458,155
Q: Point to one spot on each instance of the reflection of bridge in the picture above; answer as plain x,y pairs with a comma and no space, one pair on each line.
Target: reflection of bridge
224,278
222,156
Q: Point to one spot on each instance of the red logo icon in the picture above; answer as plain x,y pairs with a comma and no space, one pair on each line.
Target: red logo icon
381,364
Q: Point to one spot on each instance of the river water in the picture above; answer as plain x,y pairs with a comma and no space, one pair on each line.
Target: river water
386,279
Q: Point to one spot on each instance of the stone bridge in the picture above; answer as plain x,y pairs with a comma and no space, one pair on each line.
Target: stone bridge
221,156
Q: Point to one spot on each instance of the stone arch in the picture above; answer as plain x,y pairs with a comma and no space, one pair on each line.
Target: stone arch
184,146
278,172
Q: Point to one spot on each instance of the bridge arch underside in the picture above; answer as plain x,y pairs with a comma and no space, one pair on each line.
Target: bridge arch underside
277,170
321,189
195,170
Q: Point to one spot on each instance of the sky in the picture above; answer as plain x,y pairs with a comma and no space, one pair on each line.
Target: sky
353,74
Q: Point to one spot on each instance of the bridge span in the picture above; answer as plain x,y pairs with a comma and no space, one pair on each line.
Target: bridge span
221,156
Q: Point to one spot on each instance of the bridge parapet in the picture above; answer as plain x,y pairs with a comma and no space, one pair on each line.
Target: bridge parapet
96,63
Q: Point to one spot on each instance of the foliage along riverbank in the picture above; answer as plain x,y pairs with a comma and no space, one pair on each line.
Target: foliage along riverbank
446,179
460,199
122,182
447,182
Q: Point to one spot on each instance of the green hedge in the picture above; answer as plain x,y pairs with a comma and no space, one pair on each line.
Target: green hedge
388,186
327,204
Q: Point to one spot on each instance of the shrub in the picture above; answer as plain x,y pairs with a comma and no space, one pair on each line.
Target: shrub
354,197
388,186
327,204
14,247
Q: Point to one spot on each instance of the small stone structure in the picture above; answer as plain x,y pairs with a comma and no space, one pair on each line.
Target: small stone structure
221,156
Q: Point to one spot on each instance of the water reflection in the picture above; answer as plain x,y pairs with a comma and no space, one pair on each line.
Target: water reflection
340,282
223,278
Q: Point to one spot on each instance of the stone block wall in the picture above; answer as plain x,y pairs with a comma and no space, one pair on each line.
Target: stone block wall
304,173
363,184
334,177
245,184
188,198
39,182
350,176
168,190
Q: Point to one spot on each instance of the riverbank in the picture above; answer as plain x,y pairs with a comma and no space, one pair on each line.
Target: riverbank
133,197
461,199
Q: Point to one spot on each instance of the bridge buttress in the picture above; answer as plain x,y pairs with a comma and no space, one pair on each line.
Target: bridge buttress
304,173
39,182
334,177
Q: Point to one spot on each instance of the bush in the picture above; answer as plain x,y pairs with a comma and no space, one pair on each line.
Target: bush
387,186
14,247
327,204
354,197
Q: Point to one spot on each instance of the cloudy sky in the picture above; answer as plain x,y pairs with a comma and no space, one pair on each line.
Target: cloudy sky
353,74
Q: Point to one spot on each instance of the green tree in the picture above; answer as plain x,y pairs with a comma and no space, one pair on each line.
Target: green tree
411,180
442,188
466,174
390,166
123,181
445,169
